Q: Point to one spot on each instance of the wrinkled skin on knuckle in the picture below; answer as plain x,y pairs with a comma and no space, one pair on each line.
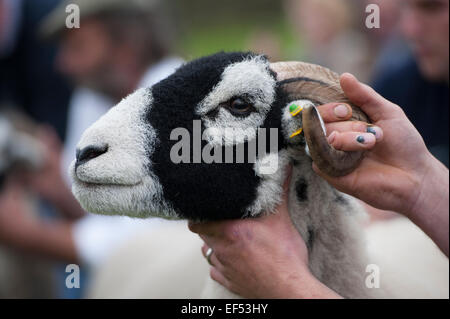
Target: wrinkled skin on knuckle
337,143
237,244
358,126
395,111
234,231
220,256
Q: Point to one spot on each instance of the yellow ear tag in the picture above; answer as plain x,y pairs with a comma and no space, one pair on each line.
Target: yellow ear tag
295,109
296,133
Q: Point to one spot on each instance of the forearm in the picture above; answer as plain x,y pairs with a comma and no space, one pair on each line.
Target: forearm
312,288
300,285
431,209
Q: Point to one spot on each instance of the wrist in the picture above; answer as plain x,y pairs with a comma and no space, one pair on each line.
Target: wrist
309,287
433,190
430,211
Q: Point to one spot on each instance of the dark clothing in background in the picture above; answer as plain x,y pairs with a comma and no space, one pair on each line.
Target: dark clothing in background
29,83
424,102
28,79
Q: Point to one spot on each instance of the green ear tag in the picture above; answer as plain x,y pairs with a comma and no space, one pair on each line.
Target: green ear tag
294,109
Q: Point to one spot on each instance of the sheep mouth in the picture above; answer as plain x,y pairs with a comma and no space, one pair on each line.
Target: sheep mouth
141,199
83,182
86,180
92,184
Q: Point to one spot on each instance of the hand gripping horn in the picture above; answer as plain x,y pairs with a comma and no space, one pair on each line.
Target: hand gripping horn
320,85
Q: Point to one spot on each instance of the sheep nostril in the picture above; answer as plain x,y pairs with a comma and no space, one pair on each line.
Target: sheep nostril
89,152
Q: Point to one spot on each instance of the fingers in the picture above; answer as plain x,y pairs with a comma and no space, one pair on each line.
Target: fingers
204,250
216,271
352,141
355,126
216,275
333,112
213,258
207,228
373,104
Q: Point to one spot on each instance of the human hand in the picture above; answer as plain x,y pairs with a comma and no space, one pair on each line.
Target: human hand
262,257
390,175
398,173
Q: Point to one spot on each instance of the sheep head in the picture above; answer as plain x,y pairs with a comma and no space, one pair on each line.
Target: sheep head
129,162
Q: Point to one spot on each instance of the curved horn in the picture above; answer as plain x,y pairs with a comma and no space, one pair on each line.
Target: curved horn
320,85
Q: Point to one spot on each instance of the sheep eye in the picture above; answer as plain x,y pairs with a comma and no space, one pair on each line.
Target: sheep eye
240,107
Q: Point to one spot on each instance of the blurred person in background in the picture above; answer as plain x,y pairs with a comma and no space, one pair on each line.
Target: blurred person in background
28,79
405,74
325,29
119,47
30,84
387,45
37,95
265,42
420,82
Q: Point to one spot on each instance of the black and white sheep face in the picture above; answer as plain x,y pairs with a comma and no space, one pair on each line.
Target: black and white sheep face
124,163
110,174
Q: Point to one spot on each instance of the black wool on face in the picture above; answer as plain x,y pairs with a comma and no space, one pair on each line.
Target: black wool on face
200,191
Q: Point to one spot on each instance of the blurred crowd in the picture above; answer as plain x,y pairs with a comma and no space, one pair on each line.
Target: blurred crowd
56,81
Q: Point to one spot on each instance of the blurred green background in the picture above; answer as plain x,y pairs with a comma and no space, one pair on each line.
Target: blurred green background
230,29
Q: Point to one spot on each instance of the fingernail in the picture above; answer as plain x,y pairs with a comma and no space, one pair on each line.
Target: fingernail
361,139
341,111
370,129
375,131
331,137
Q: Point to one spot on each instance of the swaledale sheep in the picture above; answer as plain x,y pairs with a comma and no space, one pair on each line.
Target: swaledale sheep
124,163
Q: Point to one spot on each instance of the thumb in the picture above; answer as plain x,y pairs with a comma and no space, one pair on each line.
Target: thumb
373,104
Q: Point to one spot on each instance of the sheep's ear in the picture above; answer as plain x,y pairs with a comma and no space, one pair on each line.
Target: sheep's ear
292,119
302,81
